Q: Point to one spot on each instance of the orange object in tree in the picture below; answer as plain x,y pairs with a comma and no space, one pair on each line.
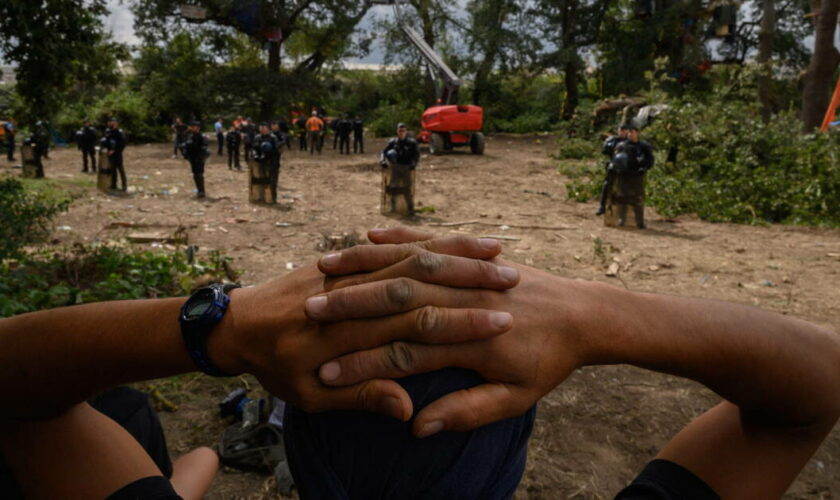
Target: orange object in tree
832,108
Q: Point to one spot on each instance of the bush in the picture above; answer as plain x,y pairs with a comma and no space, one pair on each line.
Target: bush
131,108
26,214
732,166
586,178
577,149
86,274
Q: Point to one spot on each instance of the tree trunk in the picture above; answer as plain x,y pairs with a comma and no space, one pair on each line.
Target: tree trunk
268,100
816,90
499,11
765,52
570,66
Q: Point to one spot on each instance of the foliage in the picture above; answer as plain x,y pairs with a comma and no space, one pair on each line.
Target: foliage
86,274
136,115
26,214
58,46
575,148
585,179
731,165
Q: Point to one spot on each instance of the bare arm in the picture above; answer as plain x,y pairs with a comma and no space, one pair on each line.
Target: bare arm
52,360
779,375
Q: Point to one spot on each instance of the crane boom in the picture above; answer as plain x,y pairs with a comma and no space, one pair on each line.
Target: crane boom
451,82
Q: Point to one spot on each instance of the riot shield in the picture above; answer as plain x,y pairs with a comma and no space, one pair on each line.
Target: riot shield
30,165
259,182
397,189
103,176
625,198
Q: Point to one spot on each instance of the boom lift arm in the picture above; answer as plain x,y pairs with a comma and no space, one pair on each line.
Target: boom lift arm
451,82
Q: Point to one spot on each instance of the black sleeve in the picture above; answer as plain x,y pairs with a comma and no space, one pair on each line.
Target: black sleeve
148,488
666,480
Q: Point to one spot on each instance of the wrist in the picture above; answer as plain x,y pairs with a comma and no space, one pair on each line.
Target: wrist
224,344
603,323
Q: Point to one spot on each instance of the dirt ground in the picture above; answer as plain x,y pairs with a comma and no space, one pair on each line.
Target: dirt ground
593,433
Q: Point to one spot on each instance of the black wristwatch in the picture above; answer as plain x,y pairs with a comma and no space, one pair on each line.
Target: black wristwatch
203,311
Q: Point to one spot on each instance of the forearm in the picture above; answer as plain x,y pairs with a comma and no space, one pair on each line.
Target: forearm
777,369
53,359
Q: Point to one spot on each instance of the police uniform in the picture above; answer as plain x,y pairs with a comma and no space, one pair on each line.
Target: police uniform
300,123
86,140
195,151
343,129
267,154
403,155
116,142
180,130
234,140
630,162
358,136
608,149
248,133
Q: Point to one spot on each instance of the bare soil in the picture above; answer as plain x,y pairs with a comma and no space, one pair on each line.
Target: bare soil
593,433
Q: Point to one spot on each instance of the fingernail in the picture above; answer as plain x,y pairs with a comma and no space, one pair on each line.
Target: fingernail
488,243
500,320
330,371
393,406
508,274
316,305
432,427
331,260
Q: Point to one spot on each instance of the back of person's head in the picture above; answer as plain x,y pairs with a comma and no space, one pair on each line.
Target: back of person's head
349,454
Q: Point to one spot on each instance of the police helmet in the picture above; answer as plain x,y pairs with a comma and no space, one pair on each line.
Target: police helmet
266,147
391,155
621,162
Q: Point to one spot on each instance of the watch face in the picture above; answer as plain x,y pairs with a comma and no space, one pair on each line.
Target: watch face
199,305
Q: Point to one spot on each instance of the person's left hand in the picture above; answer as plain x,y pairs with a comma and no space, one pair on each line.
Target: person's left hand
545,344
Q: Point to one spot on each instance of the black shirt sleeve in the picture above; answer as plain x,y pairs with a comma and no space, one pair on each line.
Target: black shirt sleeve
665,480
148,488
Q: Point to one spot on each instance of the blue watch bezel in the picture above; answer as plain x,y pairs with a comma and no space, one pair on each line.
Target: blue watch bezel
195,330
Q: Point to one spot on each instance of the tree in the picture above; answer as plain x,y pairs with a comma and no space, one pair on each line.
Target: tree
268,23
498,37
56,44
765,52
817,81
569,27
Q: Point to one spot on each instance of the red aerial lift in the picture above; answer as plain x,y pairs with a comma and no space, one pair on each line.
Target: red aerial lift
447,124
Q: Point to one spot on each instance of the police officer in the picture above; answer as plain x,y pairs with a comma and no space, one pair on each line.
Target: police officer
219,127
608,149
300,123
179,129
10,138
402,153
283,136
343,130
42,135
86,141
632,159
116,143
195,151
234,140
358,135
248,133
267,154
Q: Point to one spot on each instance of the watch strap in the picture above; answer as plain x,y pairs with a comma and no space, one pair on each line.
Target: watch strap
196,333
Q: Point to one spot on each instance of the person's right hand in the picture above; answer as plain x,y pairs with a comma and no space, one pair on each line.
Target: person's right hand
547,341
267,332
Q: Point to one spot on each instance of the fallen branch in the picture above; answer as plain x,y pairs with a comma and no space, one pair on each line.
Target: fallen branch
453,224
